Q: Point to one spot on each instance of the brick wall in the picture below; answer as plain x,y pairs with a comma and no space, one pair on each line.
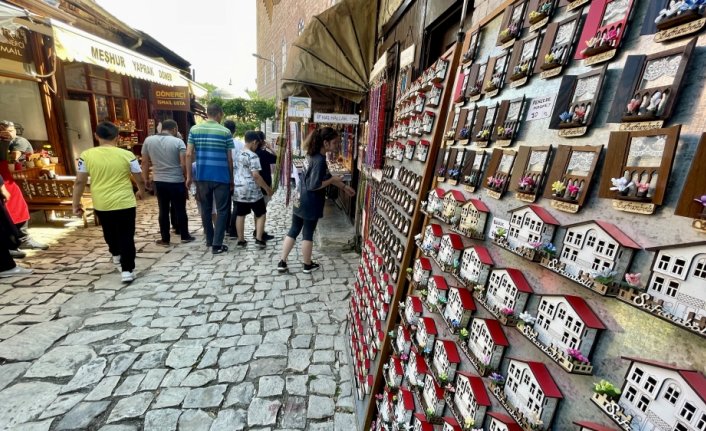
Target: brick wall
283,27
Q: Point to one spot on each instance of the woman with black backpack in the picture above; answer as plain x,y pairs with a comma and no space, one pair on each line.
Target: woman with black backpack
312,189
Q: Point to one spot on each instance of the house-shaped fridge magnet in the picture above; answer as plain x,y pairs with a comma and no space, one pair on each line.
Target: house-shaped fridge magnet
486,345
470,400
474,215
459,308
506,294
475,266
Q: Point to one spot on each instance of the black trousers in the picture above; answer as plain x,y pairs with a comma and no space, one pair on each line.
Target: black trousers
172,196
119,233
6,260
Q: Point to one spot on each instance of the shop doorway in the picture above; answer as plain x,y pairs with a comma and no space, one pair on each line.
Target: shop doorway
78,126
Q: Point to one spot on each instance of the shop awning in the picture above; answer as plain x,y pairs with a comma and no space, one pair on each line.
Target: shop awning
73,44
8,13
334,53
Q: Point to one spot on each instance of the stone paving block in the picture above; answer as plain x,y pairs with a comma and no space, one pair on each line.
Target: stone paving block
266,350
150,360
171,334
324,356
296,385
35,340
210,358
235,374
263,412
320,407
203,331
162,420
152,379
34,426
195,420
121,363
298,359
129,385
131,407
230,329
118,428
9,372
301,342
240,395
199,378
266,367
82,415
103,389
230,420
89,373
236,356
61,405
114,348
269,386
170,397
175,377
294,413
183,357
61,361
208,397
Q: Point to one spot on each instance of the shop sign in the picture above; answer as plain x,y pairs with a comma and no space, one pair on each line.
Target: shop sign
171,98
331,118
299,107
540,108
14,45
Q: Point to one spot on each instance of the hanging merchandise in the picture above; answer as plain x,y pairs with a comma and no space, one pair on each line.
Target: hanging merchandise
376,120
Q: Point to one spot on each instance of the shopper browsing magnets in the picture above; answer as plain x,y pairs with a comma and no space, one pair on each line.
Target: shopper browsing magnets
248,192
310,208
110,169
210,144
167,154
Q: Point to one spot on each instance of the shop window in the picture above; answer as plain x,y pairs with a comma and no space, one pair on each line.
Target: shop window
499,170
572,166
530,172
649,85
75,76
508,121
642,158
557,46
20,102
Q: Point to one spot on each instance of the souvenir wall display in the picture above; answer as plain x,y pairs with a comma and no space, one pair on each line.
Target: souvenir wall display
539,13
570,176
505,295
508,121
649,87
472,220
672,19
499,172
470,46
654,393
530,234
512,23
576,103
521,66
486,345
530,172
483,125
637,168
605,27
674,290
692,200
557,46
475,266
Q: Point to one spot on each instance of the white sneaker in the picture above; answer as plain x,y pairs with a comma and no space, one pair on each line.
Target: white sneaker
116,260
128,276
16,271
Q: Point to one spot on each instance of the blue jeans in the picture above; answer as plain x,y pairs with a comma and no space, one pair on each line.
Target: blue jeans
208,192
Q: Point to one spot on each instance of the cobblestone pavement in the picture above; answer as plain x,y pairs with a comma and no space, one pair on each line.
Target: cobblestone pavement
197,342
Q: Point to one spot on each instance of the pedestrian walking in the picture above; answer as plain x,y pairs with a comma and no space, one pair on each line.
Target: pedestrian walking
110,169
9,239
167,155
210,144
312,188
267,159
248,193
238,146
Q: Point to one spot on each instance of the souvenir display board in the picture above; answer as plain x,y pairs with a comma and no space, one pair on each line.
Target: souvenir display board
409,163
577,302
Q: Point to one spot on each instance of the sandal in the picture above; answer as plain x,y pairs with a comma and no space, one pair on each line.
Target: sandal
219,250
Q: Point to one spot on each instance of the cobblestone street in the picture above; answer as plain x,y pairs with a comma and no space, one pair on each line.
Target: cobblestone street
197,342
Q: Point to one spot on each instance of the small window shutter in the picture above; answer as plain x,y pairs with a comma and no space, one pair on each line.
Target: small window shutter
468,162
500,117
695,185
458,88
450,121
563,100
632,72
451,159
590,26
489,72
653,8
461,121
523,155
472,78
440,159
532,5
686,51
614,161
505,22
594,102
558,168
515,56
547,43
481,111
493,165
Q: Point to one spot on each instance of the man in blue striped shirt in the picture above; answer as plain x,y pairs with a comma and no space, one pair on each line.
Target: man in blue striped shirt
211,145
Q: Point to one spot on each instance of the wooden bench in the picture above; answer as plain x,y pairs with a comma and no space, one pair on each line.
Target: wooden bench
53,195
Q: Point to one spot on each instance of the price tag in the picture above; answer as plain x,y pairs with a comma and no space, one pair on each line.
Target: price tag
541,108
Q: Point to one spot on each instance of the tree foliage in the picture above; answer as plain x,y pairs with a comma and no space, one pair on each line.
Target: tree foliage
247,113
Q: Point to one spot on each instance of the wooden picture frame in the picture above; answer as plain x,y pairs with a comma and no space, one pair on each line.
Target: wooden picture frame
472,173
645,158
513,23
470,46
476,79
508,121
649,87
522,62
669,23
499,172
572,165
539,13
530,172
557,46
575,106
483,125
495,74
606,25
691,201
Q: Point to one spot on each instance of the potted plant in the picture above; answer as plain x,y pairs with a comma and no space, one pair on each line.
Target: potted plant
622,185
483,135
577,356
443,378
642,189
527,184
558,188
526,319
464,133
497,379
475,90
573,191
607,389
542,12
463,334
430,414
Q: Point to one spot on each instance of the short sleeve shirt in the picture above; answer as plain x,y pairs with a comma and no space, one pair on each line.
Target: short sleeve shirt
22,145
211,143
164,152
246,189
110,169
316,173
